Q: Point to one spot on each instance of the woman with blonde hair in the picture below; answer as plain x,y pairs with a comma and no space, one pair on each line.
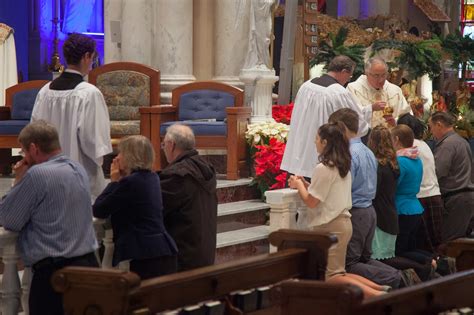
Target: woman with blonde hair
133,200
385,237
383,244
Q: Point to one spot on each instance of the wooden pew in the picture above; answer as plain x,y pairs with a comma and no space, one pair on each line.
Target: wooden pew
305,297
462,249
302,254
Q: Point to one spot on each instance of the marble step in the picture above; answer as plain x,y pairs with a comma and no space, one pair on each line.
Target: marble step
241,214
242,243
236,190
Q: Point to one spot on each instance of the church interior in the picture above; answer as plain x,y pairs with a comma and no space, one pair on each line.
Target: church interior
232,71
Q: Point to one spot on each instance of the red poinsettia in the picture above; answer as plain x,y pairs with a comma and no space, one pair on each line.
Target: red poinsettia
282,113
267,161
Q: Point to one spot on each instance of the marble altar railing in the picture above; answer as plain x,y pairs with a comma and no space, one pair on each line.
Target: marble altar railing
13,292
285,205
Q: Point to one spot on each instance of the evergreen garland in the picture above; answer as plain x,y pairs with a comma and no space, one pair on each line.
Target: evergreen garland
334,46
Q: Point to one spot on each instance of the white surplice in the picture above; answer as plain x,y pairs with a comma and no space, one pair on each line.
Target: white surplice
313,106
83,123
390,93
8,67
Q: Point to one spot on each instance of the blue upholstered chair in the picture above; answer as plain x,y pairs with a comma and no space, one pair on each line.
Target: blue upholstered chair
16,114
217,116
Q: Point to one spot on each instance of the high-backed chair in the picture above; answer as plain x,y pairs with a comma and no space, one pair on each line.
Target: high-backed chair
15,115
126,86
216,113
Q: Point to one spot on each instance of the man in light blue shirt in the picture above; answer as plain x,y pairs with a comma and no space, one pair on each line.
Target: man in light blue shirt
49,205
363,216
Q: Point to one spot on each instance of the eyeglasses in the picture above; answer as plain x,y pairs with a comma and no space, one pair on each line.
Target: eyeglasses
378,76
21,153
163,144
349,72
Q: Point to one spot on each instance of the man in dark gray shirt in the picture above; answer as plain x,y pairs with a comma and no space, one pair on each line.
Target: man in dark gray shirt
453,160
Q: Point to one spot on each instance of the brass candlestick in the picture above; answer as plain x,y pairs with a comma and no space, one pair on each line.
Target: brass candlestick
55,65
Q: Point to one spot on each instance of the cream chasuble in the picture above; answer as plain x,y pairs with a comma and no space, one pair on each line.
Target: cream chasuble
390,93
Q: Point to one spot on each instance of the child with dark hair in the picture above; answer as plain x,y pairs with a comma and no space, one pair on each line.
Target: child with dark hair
429,238
408,206
363,216
328,198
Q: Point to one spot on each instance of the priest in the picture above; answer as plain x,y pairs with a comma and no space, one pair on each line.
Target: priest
384,101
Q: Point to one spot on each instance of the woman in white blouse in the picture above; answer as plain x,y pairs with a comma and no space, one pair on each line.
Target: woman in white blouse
328,198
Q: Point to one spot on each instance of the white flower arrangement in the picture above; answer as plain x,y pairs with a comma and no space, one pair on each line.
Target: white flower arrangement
261,133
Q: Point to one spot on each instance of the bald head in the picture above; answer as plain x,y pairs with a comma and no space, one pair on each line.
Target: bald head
182,136
375,61
376,70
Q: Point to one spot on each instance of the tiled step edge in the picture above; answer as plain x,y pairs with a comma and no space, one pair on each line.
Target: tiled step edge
223,183
237,207
242,236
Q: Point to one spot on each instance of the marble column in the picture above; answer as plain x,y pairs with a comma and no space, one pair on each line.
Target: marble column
425,90
203,41
173,45
137,37
112,16
231,40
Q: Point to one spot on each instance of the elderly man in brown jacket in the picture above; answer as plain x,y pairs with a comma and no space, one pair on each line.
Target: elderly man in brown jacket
188,185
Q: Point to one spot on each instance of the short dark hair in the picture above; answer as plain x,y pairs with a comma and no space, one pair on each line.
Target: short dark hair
405,135
76,46
348,117
444,118
414,123
341,63
39,132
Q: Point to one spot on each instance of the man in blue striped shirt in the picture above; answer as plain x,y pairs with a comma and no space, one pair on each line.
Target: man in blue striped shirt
49,205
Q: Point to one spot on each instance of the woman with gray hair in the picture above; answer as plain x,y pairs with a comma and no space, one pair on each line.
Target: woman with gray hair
133,200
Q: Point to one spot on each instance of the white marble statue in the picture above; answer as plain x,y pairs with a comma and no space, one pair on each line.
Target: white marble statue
258,53
8,72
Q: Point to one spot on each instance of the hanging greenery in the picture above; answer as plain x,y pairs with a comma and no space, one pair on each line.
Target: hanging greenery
461,51
418,58
334,46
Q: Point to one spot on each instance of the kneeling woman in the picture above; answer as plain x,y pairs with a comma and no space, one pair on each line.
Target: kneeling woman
133,200
328,198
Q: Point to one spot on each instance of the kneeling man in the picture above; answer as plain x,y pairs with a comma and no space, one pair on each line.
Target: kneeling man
50,206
